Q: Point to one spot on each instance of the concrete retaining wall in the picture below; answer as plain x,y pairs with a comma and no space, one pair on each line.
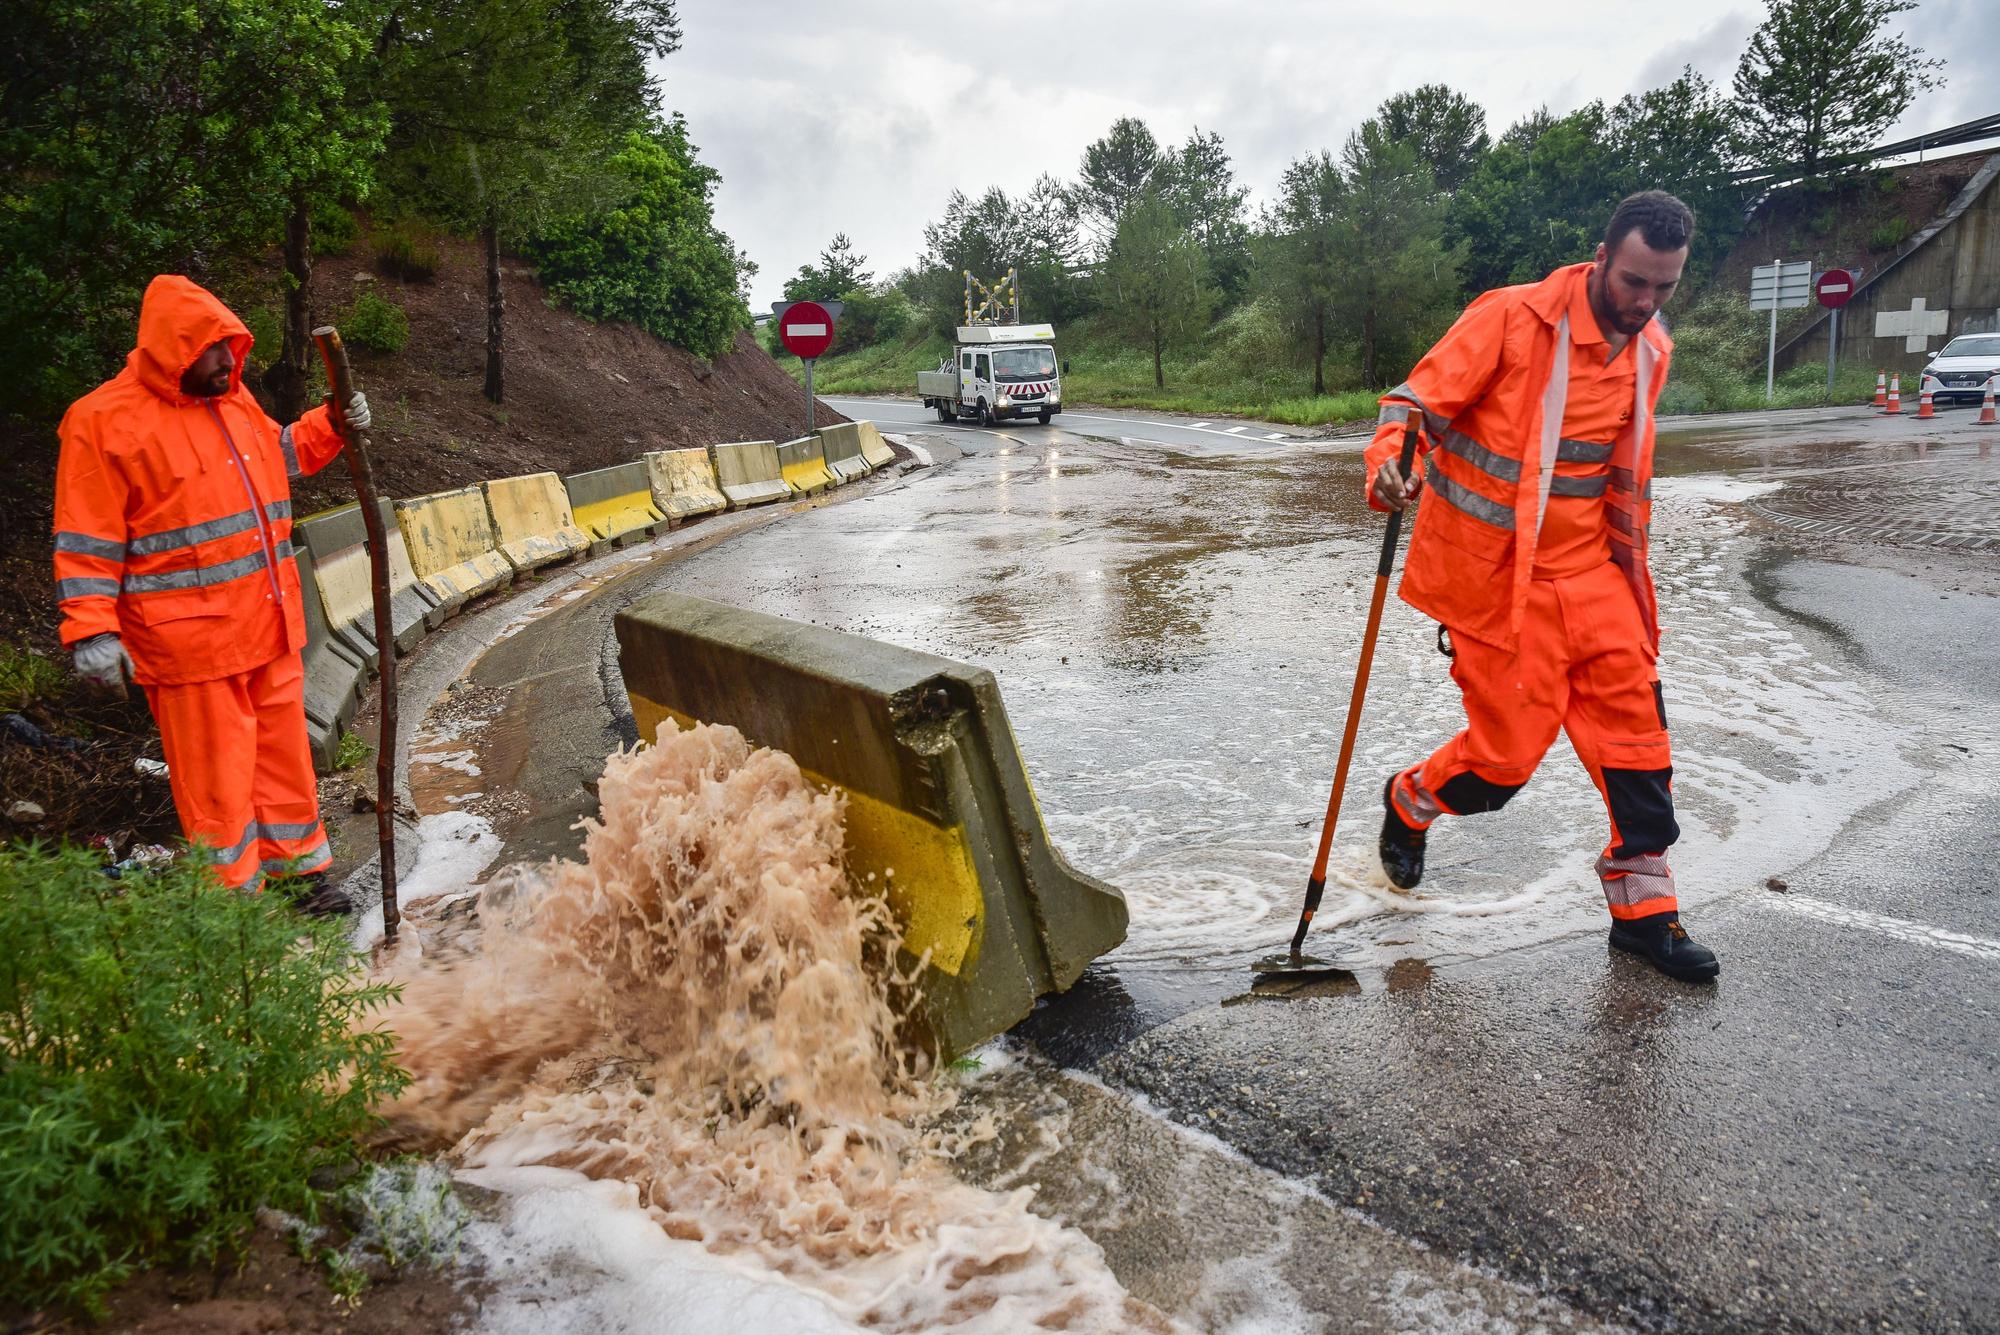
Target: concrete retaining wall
614,505
748,473
683,483
532,522
338,541
804,466
450,542
939,809
842,446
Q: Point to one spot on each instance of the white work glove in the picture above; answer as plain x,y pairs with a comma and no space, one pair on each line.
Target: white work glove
102,662
356,412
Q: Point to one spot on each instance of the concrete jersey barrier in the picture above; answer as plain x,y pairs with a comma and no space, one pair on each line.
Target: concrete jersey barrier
683,483
747,472
873,448
334,676
842,446
938,803
449,537
614,505
532,521
803,466
338,541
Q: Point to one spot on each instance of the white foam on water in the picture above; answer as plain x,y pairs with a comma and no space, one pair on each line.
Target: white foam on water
1720,488
454,849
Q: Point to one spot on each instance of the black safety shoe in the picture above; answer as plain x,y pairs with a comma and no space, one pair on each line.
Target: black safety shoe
1660,940
316,898
1402,848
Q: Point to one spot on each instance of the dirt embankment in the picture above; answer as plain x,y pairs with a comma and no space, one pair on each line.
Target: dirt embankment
578,396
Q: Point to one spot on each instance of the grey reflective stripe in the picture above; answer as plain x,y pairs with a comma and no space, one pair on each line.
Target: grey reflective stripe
1433,423
280,866
278,510
1485,460
270,831
201,577
1471,502
1620,521
86,588
224,856
167,540
1622,479
291,455
1578,486
82,544
1582,452
1397,413
1647,492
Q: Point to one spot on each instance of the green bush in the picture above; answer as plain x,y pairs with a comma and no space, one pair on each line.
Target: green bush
375,323
172,1057
1888,235
407,249
334,230
25,677
267,330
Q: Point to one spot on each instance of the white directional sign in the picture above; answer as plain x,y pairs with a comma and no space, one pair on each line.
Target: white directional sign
1915,326
1781,285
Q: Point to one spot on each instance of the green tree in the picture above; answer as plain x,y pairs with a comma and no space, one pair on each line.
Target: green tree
1539,199
1155,283
509,113
1198,183
1678,138
1447,129
1116,173
838,272
1822,78
1298,269
138,138
652,255
1396,278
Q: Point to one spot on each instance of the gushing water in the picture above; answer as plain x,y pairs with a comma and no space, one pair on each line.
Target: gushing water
701,1007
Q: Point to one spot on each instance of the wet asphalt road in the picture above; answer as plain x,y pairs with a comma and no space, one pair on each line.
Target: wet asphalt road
1173,612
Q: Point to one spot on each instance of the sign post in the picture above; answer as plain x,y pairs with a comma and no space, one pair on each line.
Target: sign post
1833,288
806,330
1778,286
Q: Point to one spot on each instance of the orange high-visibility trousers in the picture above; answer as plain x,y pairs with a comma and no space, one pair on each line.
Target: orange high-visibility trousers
242,773
1583,666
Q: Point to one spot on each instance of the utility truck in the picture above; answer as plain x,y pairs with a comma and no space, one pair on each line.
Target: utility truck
996,372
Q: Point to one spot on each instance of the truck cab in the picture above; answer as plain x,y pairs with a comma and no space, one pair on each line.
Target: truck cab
996,373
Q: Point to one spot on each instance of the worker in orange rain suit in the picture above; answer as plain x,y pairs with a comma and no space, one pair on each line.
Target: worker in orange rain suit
1536,417
173,531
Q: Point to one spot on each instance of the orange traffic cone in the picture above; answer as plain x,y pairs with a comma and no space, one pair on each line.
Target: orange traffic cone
1986,414
1924,408
1881,388
1895,404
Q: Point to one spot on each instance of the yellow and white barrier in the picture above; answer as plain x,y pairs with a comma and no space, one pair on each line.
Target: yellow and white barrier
803,466
683,483
450,542
532,522
614,505
748,473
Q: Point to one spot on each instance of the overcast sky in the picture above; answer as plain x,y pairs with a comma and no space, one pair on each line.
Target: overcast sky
861,116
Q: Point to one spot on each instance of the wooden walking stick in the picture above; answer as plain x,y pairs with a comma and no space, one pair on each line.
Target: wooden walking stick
1295,962
341,377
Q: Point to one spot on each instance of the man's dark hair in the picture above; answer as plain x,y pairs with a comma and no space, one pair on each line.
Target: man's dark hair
1662,221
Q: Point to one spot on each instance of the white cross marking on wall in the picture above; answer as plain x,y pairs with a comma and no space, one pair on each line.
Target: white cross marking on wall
1915,326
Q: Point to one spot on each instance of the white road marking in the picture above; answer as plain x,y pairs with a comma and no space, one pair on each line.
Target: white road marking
1275,435
1202,427
1235,430
1901,929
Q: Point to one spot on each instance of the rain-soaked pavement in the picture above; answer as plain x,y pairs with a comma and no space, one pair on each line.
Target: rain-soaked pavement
1173,611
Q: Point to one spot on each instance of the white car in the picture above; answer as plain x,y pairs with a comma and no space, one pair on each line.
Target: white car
1963,366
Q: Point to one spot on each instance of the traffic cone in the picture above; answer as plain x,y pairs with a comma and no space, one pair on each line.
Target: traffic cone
1895,404
1986,416
1881,388
1924,409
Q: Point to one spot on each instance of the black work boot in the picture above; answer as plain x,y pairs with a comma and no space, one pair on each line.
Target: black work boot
1402,847
1661,941
316,898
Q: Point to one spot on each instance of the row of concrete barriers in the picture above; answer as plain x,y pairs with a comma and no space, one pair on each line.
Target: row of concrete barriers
450,547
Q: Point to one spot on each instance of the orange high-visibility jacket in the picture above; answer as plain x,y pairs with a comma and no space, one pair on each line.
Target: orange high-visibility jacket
1490,398
173,518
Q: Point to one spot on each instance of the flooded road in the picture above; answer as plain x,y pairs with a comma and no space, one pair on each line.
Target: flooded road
1173,615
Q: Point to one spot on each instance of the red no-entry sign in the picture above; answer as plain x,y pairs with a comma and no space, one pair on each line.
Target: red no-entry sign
1833,288
806,329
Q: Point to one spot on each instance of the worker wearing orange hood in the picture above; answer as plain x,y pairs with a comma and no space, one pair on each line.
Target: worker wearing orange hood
173,545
